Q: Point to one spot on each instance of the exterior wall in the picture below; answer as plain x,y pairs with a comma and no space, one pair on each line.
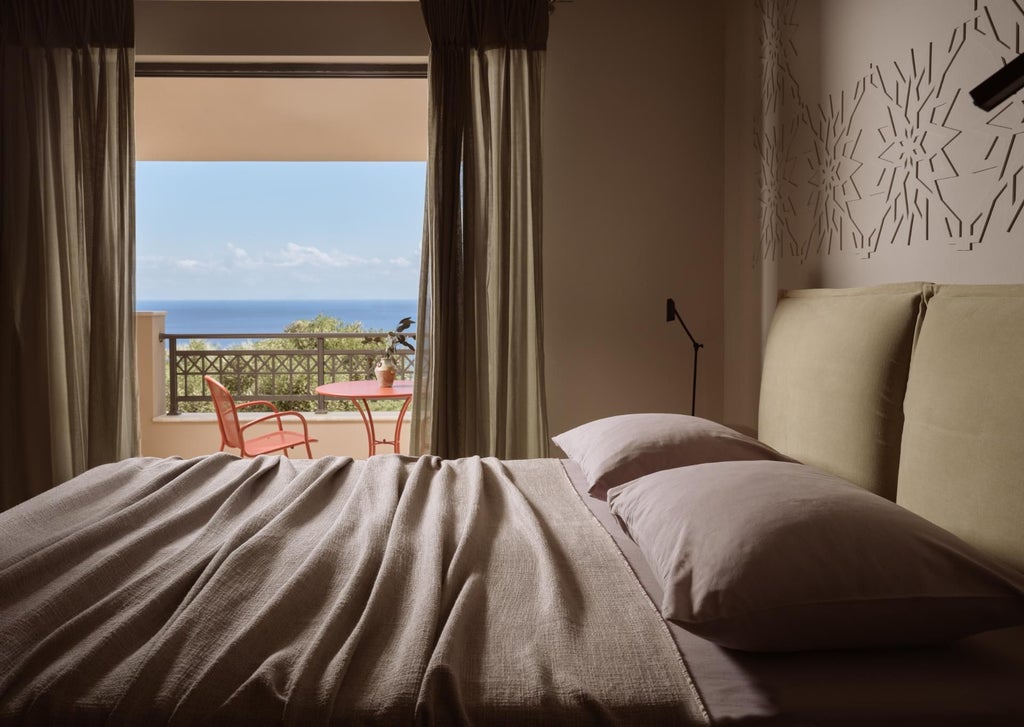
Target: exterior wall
871,163
192,435
633,200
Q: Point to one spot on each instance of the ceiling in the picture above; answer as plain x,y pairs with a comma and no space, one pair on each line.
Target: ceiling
281,119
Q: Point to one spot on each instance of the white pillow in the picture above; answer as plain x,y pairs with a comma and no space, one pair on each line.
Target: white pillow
777,556
621,448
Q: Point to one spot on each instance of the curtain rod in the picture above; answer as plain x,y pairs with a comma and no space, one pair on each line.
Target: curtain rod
280,70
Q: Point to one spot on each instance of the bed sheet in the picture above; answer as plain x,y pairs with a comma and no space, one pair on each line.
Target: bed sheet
974,682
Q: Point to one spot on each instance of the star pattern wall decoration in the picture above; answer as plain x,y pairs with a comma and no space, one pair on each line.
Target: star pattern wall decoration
778,188
1007,153
777,52
777,130
999,23
999,27
901,157
833,166
916,137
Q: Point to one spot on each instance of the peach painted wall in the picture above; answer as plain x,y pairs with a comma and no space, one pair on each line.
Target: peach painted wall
633,200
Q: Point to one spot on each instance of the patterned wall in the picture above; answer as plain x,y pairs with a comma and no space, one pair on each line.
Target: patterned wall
899,157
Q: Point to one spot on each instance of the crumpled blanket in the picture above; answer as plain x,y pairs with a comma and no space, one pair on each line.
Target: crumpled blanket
329,591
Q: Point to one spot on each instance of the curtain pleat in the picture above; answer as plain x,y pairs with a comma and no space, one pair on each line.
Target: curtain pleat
67,239
479,366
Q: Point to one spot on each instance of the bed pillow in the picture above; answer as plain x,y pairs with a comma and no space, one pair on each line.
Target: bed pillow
618,449
777,556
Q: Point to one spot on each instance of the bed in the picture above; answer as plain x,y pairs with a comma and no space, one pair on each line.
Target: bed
668,571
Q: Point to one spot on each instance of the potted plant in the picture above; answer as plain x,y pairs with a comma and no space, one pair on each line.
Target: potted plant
386,369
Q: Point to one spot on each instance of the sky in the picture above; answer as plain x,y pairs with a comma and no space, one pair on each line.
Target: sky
278,230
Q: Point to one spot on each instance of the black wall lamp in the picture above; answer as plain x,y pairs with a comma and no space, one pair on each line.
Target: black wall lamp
672,314
1000,85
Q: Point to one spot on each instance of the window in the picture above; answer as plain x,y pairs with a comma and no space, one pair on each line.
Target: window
247,247
265,201
279,188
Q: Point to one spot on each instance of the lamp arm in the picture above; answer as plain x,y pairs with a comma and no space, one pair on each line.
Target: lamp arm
673,313
683,324
693,394
696,349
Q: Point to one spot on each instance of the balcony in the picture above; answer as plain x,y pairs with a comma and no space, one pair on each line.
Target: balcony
176,420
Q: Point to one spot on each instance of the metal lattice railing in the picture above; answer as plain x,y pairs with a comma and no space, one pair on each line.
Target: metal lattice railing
279,375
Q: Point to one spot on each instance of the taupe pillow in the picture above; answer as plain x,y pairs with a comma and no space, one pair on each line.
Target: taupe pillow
777,556
621,448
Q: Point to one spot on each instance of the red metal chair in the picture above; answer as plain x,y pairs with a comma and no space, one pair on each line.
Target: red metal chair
231,429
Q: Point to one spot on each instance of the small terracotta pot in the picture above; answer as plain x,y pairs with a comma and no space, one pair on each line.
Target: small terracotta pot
385,372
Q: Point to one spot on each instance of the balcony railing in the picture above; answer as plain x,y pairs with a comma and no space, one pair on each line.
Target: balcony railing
277,374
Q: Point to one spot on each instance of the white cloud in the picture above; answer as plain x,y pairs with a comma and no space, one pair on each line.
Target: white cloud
315,271
239,254
185,265
293,255
299,255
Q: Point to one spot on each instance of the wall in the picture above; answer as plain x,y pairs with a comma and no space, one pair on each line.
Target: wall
633,193
633,181
872,163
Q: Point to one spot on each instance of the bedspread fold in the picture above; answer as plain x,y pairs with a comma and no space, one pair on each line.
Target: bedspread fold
393,591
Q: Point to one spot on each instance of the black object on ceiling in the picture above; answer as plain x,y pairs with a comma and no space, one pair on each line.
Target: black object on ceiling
1000,85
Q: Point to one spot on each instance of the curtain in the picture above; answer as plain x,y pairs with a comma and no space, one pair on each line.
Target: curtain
67,239
479,377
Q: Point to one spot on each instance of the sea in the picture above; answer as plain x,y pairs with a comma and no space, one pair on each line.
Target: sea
271,316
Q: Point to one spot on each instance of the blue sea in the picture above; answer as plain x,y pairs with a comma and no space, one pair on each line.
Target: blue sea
271,316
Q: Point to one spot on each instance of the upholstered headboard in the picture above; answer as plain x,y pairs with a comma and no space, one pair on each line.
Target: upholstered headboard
962,460
835,371
913,391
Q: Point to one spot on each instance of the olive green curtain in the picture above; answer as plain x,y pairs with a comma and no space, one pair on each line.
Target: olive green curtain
67,238
480,359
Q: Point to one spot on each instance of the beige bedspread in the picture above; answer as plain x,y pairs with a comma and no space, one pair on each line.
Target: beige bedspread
394,591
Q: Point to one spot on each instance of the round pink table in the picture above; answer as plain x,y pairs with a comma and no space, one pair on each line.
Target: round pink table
360,393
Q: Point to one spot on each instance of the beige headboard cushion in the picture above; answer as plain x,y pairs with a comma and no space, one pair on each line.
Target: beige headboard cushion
962,463
835,372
